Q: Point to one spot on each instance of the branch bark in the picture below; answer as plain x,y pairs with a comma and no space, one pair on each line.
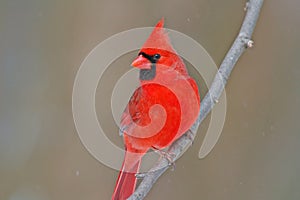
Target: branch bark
241,43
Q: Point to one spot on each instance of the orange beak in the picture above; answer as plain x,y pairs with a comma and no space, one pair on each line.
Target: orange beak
141,62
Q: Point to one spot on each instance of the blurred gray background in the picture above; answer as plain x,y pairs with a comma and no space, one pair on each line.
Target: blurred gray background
42,44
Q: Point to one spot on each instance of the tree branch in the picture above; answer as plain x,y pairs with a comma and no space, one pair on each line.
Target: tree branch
241,43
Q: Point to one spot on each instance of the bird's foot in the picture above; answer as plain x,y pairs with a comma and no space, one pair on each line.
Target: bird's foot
168,156
140,175
190,135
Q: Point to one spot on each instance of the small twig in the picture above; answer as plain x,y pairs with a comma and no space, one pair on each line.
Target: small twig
241,43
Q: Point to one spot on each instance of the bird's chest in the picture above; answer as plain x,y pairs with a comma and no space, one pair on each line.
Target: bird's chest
146,97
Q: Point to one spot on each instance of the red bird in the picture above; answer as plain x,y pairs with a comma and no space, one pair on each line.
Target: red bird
161,110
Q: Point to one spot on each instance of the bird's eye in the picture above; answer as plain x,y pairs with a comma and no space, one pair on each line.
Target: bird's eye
156,56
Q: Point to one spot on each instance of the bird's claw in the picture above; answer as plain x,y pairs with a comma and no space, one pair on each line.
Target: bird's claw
140,175
168,156
190,135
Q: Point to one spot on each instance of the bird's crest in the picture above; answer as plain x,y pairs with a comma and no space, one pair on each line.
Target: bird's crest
159,39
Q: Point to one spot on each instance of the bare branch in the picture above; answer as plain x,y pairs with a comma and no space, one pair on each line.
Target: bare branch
241,43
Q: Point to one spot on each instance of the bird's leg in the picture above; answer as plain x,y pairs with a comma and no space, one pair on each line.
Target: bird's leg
163,154
190,135
140,175
167,155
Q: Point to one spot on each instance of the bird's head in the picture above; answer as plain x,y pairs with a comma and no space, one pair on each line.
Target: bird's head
157,52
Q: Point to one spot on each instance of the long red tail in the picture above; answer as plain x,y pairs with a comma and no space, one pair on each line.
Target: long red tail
126,181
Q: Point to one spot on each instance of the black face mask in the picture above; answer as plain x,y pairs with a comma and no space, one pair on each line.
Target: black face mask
149,74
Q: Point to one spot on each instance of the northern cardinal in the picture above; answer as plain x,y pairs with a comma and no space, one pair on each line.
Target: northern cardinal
161,110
